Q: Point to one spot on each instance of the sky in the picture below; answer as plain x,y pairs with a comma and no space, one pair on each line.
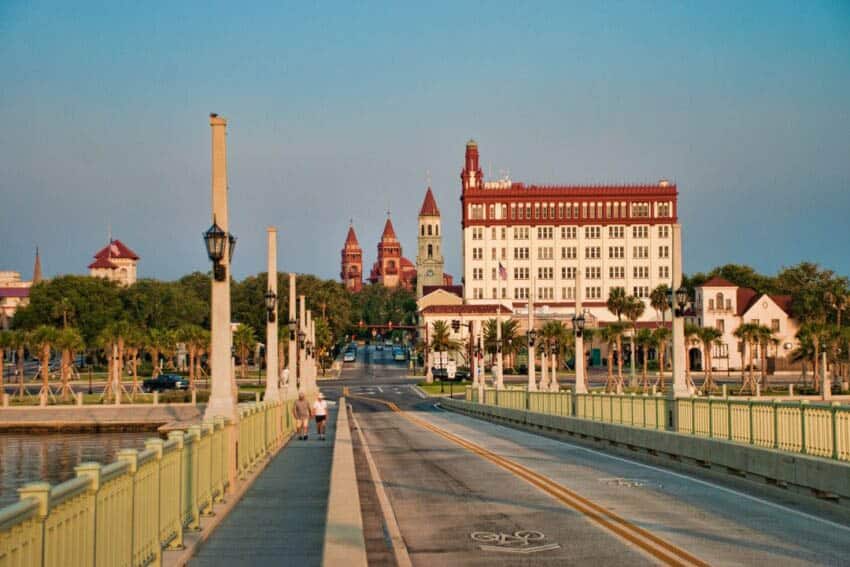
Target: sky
340,111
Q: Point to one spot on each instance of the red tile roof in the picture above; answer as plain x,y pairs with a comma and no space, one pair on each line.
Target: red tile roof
102,263
14,292
466,310
717,281
783,301
116,249
389,231
429,206
351,239
746,298
406,264
455,289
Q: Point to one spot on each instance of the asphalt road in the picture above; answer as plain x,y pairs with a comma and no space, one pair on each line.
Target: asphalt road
447,477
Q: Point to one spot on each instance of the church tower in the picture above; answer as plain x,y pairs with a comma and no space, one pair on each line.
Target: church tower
389,257
429,257
351,271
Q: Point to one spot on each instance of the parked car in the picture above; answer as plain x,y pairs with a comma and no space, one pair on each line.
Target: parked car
165,382
399,354
349,356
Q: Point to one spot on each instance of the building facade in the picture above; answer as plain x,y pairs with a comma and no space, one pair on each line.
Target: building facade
351,271
391,268
115,262
527,241
15,292
725,306
429,257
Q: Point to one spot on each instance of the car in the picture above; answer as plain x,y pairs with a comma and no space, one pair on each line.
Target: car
399,354
165,382
379,346
440,373
349,356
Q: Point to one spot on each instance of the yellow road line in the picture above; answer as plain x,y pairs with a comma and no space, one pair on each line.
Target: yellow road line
662,550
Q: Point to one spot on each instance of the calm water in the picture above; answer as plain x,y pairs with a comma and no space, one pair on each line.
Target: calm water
52,457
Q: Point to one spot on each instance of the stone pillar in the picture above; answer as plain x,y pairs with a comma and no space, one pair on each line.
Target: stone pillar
553,368
544,371
680,386
532,380
302,358
499,374
272,377
292,368
221,402
581,375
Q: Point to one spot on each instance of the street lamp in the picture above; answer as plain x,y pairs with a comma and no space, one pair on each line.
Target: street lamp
214,240
681,298
532,336
301,336
271,304
578,324
291,329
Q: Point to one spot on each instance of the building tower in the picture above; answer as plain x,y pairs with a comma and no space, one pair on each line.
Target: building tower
388,266
352,263
429,258
36,269
471,176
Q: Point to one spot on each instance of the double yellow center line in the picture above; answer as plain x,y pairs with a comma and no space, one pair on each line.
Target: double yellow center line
663,551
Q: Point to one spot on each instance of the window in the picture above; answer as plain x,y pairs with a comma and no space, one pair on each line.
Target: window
520,253
492,253
476,211
478,293
662,209
494,293
528,211
504,233
430,229
774,325
592,231
616,231
493,275
720,325
616,252
478,273
721,350
422,229
544,232
536,211
504,293
430,251
593,252
719,300
640,232
568,293
593,272
513,211
640,272
568,232
663,232
545,273
664,272
544,253
560,210
477,233
663,251
521,293
568,273
520,273
711,305
520,233
755,321
640,252
568,253
640,210
593,292
477,253
728,305
616,272
640,291
504,253
493,233
546,293
491,211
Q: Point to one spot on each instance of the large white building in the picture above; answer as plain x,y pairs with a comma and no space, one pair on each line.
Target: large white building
522,240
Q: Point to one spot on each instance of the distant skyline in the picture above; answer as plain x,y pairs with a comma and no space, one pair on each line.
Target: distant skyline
341,112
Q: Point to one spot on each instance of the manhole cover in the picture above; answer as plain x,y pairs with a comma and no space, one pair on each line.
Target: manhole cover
522,542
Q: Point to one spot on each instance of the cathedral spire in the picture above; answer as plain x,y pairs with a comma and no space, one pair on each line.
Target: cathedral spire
36,269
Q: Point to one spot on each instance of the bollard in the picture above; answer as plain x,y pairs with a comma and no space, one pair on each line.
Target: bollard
654,389
79,396
5,400
156,397
257,397
42,399
758,390
194,397
791,390
724,392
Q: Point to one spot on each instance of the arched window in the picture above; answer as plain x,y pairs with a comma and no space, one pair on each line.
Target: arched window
719,301
436,230
429,230
423,230
430,251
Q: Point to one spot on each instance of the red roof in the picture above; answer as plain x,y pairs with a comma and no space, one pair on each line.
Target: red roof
405,264
429,206
102,263
783,301
116,249
14,292
455,289
746,298
466,309
389,231
717,281
351,239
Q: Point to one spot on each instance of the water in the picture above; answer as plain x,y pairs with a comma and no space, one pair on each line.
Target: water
52,457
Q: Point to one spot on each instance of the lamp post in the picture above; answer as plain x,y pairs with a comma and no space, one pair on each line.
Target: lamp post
553,366
678,301
220,245
531,336
292,367
272,377
500,383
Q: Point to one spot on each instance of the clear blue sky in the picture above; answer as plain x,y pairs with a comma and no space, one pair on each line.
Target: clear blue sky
337,111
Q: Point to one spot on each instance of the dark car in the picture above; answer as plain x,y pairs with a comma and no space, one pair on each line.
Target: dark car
165,382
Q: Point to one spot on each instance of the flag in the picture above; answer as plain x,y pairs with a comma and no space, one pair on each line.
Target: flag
503,273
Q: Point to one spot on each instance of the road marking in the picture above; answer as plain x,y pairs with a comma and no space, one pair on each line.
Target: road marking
662,550
517,542
390,522
418,391
681,476
379,389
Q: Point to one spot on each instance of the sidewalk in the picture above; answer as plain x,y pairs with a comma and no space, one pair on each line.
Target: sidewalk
281,519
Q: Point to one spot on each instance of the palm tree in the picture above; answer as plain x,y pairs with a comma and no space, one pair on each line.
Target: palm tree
69,341
709,336
658,300
244,341
764,337
609,335
662,337
617,330
5,344
617,301
441,340
554,335
645,339
156,341
816,335
190,335
746,333
633,310
510,340
18,341
133,344
112,341
41,341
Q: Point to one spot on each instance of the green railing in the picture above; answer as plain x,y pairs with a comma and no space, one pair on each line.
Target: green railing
125,513
792,426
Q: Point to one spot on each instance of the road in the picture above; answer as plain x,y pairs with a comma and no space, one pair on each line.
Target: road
454,484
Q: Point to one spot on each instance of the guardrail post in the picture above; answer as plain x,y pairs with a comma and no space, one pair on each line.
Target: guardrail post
803,405
177,542
710,418
40,492
194,434
221,459
693,416
92,472
79,398
156,445
729,406
752,433
775,423
131,456
833,414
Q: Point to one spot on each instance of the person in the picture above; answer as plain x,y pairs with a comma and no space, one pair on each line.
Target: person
301,413
320,410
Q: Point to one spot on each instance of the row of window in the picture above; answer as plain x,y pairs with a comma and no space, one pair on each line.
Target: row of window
585,210
548,293
569,273
432,230
567,232
569,253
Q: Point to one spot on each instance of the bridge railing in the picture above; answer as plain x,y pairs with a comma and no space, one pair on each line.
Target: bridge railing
125,513
793,426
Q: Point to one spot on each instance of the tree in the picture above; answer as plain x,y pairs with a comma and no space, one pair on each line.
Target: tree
134,343
69,341
764,337
18,341
659,300
244,341
440,338
662,337
691,334
156,342
41,342
645,339
608,335
709,337
747,333
616,302
633,309
5,345
555,335
617,330
112,340
812,335
191,336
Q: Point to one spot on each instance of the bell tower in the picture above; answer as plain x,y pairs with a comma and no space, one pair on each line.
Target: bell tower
352,263
429,256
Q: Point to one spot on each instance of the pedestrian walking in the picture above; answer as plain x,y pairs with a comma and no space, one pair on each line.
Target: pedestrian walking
301,413
320,411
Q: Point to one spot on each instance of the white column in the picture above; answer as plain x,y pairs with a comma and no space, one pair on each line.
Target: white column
429,376
553,368
532,381
302,359
680,386
499,375
222,401
581,375
314,367
272,377
544,370
292,367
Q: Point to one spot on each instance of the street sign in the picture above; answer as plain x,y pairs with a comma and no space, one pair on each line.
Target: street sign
451,369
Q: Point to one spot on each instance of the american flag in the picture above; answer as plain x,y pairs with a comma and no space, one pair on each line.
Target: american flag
503,273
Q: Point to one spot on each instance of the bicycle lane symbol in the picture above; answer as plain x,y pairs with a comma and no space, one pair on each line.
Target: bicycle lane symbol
522,542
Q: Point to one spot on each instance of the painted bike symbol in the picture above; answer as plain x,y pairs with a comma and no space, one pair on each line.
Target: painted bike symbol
521,541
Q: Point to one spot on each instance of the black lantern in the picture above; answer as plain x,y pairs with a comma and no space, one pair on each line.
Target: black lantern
682,297
532,336
301,336
678,300
271,304
291,330
578,324
214,240
232,241
309,346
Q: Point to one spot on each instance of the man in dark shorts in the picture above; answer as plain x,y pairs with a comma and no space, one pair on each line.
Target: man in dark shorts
301,413
320,410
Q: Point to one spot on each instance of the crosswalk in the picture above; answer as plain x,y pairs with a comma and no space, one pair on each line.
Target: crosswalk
392,390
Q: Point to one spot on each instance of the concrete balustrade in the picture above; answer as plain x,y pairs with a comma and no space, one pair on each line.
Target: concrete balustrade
129,511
